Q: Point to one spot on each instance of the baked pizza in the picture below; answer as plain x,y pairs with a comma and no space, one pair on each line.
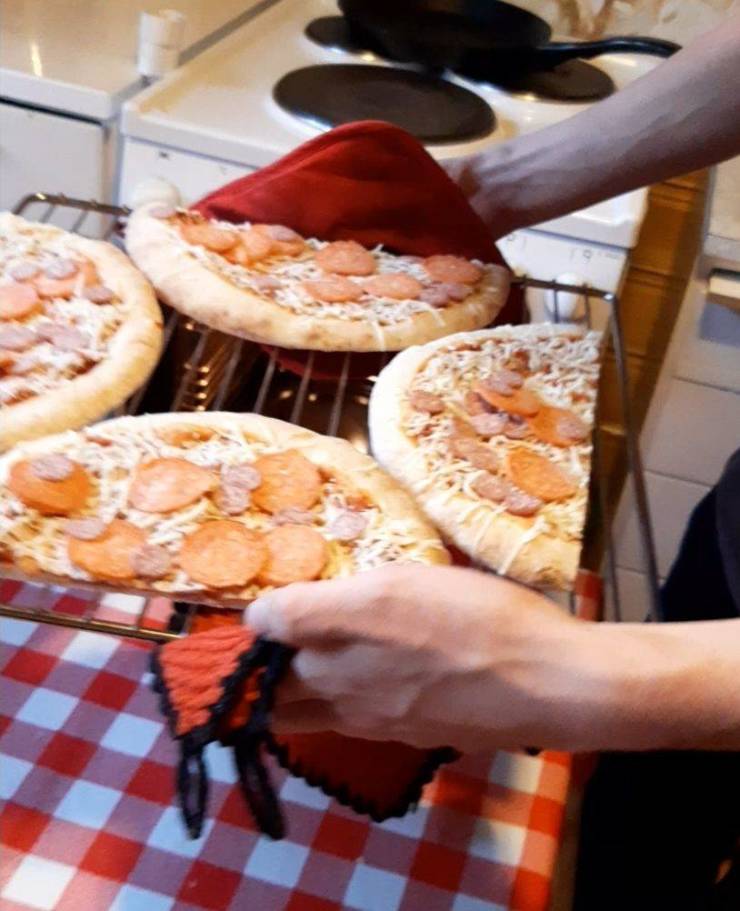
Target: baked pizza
80,329
491,432
269,284
213,508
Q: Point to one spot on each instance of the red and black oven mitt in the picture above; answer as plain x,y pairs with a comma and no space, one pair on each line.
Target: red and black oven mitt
374,183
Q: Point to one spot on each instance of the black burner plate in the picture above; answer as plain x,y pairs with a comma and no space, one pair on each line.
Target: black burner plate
334,32
431,109
574,80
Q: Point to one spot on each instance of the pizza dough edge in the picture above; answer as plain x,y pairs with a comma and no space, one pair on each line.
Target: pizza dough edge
132,356
544,562
223,306
331,453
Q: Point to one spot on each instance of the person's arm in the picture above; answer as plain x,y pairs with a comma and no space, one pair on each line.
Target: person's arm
445,656
682,116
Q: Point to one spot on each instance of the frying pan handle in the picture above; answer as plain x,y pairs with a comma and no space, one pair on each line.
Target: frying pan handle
559,51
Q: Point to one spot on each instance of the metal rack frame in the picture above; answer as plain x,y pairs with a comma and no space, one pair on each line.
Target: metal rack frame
211,367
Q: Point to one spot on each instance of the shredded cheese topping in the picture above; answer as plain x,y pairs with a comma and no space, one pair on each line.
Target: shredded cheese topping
46,365
292,272
110,457
563,371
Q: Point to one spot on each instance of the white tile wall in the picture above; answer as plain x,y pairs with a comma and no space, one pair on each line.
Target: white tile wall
695,431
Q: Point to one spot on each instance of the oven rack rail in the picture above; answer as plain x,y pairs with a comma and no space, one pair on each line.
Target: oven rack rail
209,370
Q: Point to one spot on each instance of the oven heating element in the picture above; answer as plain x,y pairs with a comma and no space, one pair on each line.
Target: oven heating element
207,370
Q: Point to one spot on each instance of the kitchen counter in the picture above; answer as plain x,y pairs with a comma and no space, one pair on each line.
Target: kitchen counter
723,230
90,819
80,55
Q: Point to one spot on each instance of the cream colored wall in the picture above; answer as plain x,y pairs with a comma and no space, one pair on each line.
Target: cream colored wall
676,20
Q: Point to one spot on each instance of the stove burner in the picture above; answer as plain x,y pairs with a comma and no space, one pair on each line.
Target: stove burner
573,80
431,109
334,32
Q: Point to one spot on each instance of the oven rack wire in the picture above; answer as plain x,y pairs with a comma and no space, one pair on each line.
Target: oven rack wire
202,369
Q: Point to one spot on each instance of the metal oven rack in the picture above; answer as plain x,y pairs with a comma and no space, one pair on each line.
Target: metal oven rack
202,369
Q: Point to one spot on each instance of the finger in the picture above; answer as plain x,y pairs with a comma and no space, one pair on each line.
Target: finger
336,610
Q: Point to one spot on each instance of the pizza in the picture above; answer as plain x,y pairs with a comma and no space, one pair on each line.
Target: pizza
211,507
491,433
269,284
80,329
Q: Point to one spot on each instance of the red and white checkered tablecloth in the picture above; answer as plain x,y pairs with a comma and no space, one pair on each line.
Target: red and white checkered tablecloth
89,819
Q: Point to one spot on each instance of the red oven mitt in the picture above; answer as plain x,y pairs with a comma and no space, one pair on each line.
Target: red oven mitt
218,684
367,181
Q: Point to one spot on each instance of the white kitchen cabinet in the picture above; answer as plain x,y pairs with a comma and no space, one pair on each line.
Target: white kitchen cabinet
52,153
192,175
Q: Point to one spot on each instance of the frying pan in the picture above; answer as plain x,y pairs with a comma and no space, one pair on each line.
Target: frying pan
476,36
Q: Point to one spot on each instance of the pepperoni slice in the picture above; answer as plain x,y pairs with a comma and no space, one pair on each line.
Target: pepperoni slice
461,429
435,295
456,291
50,497
558,426
164,485
519,503
474,404
17,338
241,475
452,269
98,294
537,475
489,425
7,359
296,553
204,234
478,454
293,516
516,428
151,561
286,241
232,500
288,479
395,285
89,529
18,301
110,555
503,382
427,402
333,290
23,271
491,488
519,401
50,287
61,268
257,244
346,257
348,525
222,554
185,435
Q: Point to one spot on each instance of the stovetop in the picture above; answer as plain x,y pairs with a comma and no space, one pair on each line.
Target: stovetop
221,105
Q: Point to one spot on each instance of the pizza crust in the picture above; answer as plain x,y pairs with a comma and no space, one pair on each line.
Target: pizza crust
508,544
201,293
132,353
335,456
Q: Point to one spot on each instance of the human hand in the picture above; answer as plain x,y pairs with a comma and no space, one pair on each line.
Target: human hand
429,656
478,178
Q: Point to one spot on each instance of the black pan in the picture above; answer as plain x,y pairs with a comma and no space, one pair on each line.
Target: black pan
475,36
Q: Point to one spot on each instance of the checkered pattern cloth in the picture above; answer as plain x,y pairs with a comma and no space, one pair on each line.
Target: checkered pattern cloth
89,819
